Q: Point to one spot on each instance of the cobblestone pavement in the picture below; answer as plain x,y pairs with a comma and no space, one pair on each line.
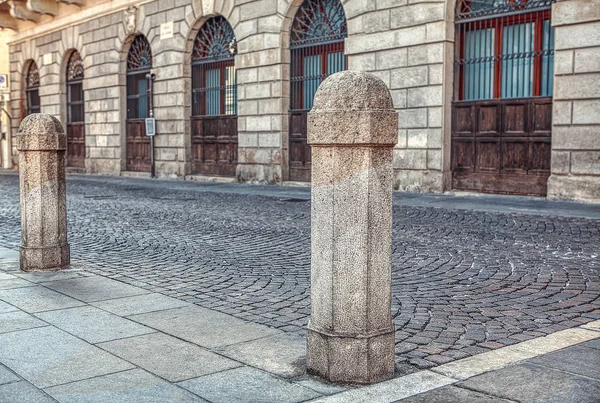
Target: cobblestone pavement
464,282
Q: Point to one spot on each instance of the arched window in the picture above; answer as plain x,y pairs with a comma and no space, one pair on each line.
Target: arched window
317,51
139,64
214,99
502,109
505,49
75,112
32,81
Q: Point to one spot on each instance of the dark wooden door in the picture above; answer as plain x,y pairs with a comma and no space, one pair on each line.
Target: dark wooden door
502,146
214,145
138,146
76,144
300,154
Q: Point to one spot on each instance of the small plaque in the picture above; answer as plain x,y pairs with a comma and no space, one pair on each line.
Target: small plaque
3,81
150,127
47,59
166,30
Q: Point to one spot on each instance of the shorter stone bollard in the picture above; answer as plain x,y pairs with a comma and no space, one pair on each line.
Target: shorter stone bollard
352,129
41,142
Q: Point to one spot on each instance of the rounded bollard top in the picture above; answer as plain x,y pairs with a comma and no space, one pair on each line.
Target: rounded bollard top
41,132
352,91
353,108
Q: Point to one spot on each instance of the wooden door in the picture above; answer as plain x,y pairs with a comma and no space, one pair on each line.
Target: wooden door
138,146
502,146
300,153
214,145
76,144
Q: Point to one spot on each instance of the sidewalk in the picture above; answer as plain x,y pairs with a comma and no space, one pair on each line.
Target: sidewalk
74,336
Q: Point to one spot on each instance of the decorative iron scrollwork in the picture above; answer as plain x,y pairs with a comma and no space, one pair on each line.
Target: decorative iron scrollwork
318,21
33,76
140,54
75,67
468,9
215,41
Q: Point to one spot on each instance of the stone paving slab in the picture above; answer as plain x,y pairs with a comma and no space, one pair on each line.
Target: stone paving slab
534,383
129,386
452,394
579,360
23,392
282,354
14,282
170,358
18,320
128,306
37,299
94,288
45,277
4,307
247,384
93,325
391,390
204,327
5,276
47,356
7,376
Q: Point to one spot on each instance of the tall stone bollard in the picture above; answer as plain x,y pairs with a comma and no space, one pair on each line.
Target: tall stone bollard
42,143
352,129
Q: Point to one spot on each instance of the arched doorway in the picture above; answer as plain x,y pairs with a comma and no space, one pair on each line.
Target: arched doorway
317,51
214,99
75,112
32,89
502,108
139,64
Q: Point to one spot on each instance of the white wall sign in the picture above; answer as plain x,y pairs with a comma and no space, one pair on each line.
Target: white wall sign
47,59
166,30
3,81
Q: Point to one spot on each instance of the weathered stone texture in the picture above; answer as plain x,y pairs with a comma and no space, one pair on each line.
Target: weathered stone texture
352,130
576,112
42,143
411,53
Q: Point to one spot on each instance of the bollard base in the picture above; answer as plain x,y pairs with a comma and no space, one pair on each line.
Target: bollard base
351,359
51,258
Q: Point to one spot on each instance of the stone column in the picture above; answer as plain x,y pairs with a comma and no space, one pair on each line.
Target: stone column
352,129
41,142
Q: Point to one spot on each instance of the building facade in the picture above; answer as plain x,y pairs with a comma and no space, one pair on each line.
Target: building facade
497,96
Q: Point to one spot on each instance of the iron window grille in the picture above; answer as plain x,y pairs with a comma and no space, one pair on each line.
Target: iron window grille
214,78
317,49
32,89
139,63
75,88
505,49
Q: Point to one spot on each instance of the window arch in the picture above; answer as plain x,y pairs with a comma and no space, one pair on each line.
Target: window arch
75,111
214,99
505,49
214,86
317,50
32,82
139,63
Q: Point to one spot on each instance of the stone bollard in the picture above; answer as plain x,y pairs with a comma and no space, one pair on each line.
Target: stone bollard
352,129
42,143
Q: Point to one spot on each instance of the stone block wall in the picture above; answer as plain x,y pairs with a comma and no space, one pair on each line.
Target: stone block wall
576,112
407,43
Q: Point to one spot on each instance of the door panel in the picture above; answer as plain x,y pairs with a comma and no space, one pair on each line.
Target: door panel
214,145
506,150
